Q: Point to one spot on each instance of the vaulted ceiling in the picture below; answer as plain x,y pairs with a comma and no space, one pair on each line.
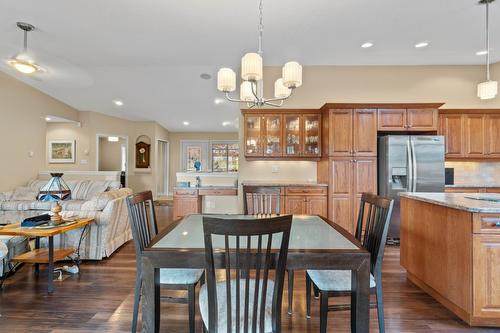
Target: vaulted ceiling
150,53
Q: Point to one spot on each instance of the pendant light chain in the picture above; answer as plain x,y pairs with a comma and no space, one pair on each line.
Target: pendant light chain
261,25
487,41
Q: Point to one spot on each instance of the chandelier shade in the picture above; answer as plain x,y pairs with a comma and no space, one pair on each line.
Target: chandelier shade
251,67
292,74
280,91
487,89
246,93
226,80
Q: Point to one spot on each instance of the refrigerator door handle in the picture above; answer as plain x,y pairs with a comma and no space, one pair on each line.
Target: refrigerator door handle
414,165
410,167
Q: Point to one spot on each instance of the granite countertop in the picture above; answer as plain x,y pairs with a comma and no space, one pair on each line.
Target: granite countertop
208,187
280,183
459,201
474,185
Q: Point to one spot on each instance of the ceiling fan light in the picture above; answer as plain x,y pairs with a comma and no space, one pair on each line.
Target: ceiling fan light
246,93
292,74
251,67
24,67
487,89
226,80
280,91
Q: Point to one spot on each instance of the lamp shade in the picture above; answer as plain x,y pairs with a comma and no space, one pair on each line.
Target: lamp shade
246,93
55,190
226,80
251,67
487,89
280,91
292,74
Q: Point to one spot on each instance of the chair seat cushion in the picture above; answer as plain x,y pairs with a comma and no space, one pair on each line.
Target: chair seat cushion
222,304
180,276
334,280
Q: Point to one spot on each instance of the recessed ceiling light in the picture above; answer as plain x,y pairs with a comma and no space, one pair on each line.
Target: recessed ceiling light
421,44
117,102
367,45
48,118
113,139
226,123
218,101
185,123
482,52
205,76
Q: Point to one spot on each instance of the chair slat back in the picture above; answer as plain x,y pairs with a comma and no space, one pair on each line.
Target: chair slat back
372,226
240,258
264,201
142,220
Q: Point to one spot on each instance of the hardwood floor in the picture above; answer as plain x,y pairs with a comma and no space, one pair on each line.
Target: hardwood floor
101,299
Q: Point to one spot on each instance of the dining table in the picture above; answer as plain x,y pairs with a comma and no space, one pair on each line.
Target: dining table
315,243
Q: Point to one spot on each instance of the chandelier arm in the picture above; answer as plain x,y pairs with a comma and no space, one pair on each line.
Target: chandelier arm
280,98
254,90
274,104
233,99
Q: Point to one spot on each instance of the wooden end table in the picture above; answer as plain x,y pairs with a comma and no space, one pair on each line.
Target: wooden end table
47,255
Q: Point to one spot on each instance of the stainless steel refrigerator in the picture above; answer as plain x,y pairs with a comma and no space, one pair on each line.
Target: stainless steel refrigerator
409,164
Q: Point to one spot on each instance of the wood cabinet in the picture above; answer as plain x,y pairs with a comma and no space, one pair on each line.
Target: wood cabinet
471,134
349,178
186,201
408,119
298,200
351,132
284,134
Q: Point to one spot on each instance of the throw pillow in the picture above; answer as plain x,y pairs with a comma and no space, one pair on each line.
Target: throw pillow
24,194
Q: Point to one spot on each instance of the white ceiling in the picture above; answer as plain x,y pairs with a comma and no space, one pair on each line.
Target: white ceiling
150,53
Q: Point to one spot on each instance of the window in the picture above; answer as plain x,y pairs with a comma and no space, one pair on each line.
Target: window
225,157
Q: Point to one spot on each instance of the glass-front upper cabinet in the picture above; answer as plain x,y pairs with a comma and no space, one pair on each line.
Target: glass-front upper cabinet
253,135
312,134
272,135
292,140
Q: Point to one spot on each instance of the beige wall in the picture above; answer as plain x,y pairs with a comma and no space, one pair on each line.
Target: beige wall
93,124
110,154
175,154
453,85
22,130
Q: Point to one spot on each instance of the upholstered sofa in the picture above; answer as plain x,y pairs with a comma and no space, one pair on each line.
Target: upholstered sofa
102,200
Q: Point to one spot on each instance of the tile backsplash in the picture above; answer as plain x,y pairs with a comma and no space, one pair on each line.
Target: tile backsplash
475,173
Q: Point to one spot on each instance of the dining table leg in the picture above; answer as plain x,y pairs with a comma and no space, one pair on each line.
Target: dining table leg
360,298
150,297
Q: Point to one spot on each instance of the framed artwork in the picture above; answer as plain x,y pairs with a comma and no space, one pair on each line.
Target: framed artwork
193,155
62,151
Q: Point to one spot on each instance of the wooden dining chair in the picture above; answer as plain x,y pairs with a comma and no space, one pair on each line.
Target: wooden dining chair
371,230
244,248
144,229
267,201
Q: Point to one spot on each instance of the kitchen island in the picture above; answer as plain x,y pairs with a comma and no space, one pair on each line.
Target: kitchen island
450,247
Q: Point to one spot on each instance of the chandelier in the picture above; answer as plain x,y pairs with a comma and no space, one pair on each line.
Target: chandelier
252,83
487,89
22,62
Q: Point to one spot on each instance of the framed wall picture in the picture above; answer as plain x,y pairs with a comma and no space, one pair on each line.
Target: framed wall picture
62,151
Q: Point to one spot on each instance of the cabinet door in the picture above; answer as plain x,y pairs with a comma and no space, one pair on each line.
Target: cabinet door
341,199
341,126
317,206
292,135
365,132
474,135
452,128
493,136
312,135
272,135
391,120
365,175
486,276
295,205
184,206
422,119
253,135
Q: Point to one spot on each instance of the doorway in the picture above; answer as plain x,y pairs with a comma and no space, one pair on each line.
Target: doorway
162,180
112,154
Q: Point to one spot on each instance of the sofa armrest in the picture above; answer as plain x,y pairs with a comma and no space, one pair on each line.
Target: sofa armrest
5,196
102,200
